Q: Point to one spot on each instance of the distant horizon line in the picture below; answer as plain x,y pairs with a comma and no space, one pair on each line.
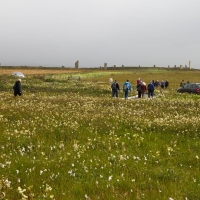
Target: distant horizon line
113,67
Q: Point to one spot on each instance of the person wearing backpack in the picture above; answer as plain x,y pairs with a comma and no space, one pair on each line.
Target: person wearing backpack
126,88
150,88
115,88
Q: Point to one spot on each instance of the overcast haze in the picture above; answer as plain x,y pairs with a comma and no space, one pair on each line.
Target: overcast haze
128,32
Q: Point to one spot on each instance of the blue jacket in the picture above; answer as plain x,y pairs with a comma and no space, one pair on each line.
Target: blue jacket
128,86
150,87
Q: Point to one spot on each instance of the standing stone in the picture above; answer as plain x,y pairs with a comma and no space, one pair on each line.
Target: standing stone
181,66
105,65
77,64
185,66
114,66
168,66
174,66
122,66
190,64
154,66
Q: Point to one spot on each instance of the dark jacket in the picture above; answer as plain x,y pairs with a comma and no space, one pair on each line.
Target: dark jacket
139,87
115,86
17,87
150,87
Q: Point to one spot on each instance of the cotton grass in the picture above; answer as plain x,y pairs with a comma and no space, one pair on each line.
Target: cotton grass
61,144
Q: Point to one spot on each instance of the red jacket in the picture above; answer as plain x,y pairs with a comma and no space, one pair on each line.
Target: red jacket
143,88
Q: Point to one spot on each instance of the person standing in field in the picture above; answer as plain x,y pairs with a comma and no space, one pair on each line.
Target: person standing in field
143,89
150,88
139,89
157,83
138,81
115,88
166,84
17,88
182,83
126,88
162,84
110,80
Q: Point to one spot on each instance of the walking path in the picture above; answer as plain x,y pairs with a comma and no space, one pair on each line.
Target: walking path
136,96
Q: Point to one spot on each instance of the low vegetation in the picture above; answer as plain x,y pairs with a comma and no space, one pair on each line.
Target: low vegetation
68,139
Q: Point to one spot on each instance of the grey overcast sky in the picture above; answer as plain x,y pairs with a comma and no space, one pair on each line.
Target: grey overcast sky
128,32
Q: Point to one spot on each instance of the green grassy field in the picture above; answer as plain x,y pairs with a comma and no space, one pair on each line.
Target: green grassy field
66,139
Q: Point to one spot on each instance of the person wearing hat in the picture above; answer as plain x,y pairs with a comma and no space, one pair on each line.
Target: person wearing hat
17,88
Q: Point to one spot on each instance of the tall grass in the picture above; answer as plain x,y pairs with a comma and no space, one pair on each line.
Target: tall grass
71,140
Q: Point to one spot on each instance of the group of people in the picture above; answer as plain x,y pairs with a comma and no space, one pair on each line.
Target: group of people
183,83
127,87
162,84
115,88
141,87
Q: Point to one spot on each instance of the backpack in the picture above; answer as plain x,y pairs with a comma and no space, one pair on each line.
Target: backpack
113,86
139,87
125,87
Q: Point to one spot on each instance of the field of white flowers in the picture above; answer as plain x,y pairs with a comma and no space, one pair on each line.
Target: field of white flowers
71,140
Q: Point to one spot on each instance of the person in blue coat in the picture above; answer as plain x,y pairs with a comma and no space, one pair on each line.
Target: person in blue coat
126,88
150,88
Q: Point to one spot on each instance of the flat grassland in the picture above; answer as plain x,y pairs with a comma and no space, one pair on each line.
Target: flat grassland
69,139
36,71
